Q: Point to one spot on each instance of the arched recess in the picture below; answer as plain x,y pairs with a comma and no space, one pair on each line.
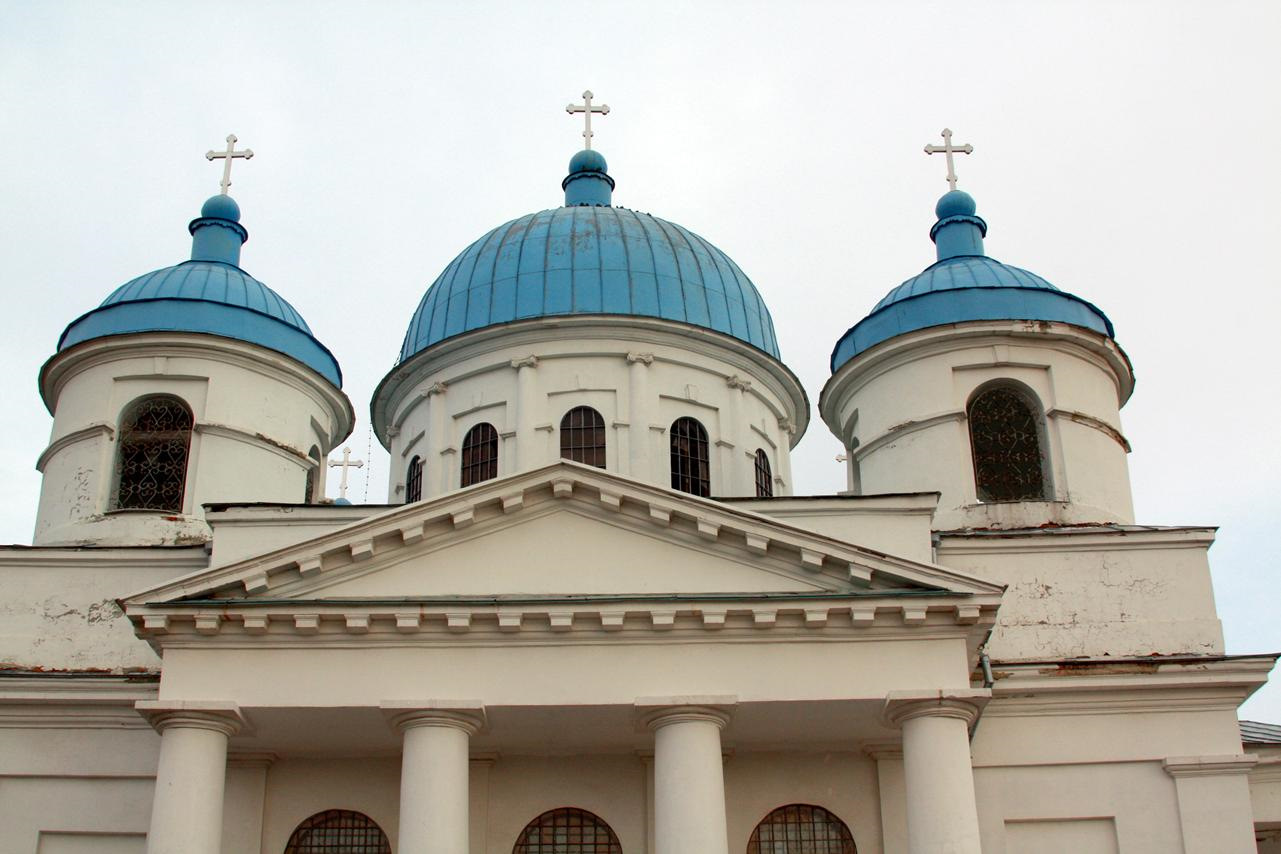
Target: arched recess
338,832
154,443
313,476
480,454
764,477
691,457
414,480
567,830
1007,444
801,829
582,436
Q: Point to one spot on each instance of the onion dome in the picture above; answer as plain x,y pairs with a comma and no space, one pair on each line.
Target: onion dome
590,258
209,294
964,285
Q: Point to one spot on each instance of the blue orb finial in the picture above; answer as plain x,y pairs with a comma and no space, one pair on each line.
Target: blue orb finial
955,203
587,160
587,182
221,207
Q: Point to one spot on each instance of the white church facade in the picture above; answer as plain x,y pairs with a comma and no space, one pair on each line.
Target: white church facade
594,616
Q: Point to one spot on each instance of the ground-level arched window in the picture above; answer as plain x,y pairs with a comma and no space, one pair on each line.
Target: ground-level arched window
582,436
1007,442
801,829
480,454
414,480
567,831
764,478
151,460
691,466
338,832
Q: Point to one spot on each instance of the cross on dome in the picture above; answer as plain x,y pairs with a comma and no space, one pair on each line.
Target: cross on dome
948,149
227,156
345,463
587,108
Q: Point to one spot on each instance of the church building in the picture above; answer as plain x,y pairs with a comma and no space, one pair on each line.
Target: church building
594,615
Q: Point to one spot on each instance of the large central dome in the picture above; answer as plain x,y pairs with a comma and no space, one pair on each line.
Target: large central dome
590,258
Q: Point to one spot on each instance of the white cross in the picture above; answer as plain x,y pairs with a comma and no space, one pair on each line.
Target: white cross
949,149
587,109
227,156
345,463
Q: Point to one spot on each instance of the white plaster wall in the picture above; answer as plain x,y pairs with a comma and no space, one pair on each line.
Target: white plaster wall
639,375
1265,786
900,410
257,414
1095,592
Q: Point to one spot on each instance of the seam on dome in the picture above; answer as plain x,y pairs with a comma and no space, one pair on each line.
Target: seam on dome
702,275
627,261
475,267
653,263
600,262
493,272
723,264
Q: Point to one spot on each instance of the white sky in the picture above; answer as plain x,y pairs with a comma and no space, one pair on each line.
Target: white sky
1126,151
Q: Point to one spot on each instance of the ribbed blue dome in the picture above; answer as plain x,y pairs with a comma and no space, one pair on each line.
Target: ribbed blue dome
210,295
590,258
965,285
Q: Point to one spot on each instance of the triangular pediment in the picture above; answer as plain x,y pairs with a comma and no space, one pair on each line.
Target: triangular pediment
565,530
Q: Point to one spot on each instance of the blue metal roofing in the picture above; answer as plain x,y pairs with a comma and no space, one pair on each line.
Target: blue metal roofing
590,259
964,287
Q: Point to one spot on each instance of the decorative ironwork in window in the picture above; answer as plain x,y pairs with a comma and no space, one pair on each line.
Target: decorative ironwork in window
1005,438
338,832
582,436
801,829
480,454
414,480
764,478
691,467
151,462
567,831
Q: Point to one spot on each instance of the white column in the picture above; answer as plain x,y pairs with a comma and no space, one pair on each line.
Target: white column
689,779
942,816
737,479
638,414
438,464
786,429
186,811
1215,812
525,456
434,785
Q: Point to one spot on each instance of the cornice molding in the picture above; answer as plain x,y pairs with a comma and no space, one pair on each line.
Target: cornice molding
94,430
1208,766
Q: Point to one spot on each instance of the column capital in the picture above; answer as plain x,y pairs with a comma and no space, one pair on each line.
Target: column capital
1209,766
654,713
466,715
963,703
640,359
214,715
530,361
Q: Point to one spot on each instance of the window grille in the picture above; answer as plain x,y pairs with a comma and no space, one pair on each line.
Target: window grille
480,454
582,436
691,469
338,832
567,831
151,461
414,480
313,472
1005,438
801,829
764,478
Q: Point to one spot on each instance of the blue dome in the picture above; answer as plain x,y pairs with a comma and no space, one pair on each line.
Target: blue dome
590,259
964,285
209,294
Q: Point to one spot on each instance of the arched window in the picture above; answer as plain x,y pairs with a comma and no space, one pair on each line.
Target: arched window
338,832
151,462
1006,441
414,480
801,829
313,474
567,831
764,478
691,469
480,454
582,436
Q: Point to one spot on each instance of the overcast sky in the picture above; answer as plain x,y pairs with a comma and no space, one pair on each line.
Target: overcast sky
1128,152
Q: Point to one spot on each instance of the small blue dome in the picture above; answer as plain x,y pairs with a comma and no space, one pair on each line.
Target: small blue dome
590,259
965,285
588,160
209,294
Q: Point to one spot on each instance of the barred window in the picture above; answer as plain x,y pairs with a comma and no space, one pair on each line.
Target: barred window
582,436
691,468
338,832
151,461
801,829
567,831
480,454
414,480
313,472
764,478
1005,438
